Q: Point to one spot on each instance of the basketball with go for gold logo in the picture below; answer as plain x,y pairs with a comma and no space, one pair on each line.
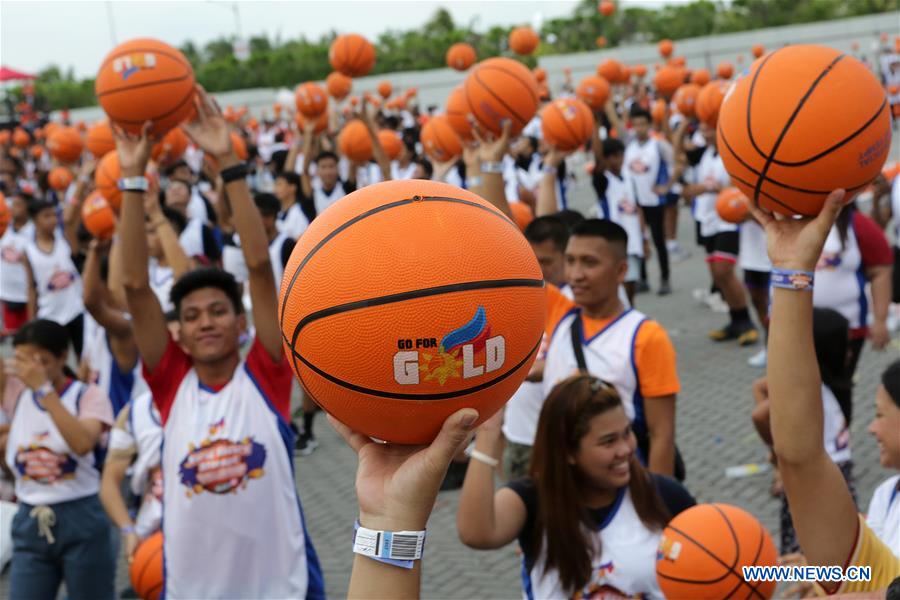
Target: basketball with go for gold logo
406,301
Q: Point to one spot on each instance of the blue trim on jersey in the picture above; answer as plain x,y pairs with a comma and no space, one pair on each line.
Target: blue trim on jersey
121,383
893,497
563,199
602,331
315,579
526,580
572,310
662,175
640,420
603,201
620,495
162,519
863,300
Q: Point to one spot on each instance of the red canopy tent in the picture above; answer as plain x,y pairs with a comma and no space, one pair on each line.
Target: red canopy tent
7,74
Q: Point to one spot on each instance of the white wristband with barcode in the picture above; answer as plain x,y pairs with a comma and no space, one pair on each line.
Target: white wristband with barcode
389,545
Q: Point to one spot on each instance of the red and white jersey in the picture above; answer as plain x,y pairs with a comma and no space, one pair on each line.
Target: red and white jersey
57,281
47,471
232,519
13,278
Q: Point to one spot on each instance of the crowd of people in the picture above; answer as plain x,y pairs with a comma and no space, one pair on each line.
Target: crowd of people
143,363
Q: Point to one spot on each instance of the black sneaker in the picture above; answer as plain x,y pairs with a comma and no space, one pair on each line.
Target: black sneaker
642,287
664,289
306,444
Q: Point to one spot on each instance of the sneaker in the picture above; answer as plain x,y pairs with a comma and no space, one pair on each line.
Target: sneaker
664,289
716,303
758,360
701,295
306,444
679,254
724,334
748,337
642,287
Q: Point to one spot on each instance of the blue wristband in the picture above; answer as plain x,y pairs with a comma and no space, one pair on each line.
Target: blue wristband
789,279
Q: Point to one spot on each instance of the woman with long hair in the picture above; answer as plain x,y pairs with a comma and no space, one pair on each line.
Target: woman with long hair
589,516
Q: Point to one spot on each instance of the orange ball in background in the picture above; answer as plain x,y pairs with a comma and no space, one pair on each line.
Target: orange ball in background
701,77
757,50
668,79
593,91
522,214
725,70
321,122
37,152
60,178
352,54
98,216
461,56
709,100
354,142
658,111
440,140
540,73
640,71
106,179
99,139
239,145
146,80
677,61
685,98
732,205
146,568
523,40
391,142
171,148
458,112
788,136
502,88
385,89
567,123
338,85
601,41
610,70
665,47
21,138
606,8
5,136
455,323
49,129
311,99
65,144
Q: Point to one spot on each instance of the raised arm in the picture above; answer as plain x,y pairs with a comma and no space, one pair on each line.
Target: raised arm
597,148
614,119
490,155
147,316
826,530
309,137
378,153
72,209
210,132
547,202
176,257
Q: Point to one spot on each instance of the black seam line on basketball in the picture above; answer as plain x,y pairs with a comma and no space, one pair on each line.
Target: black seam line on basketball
791,208
515,76
175,57
128,88
734,538
713,556
514,113
750,101
356,70
187,98
378,209
575,136
843,142
488,284
790,122
399,396
759,547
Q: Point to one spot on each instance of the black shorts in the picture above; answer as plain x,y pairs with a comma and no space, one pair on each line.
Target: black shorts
756,280
723,247
896,295
702,240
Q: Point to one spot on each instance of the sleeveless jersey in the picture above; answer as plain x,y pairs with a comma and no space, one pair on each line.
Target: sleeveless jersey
646,168
57,281
840,280
161,281
146,473
323,199
13,278
191,238
292,222
710,170
105,373
619,206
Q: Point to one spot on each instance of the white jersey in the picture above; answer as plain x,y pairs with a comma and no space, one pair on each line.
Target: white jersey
626,567
120,386
191,239
895,210
753,255
230,494
453,177
645,169
609,355
521,415
13,277
57,281
711,171
292,222
840,281
399,173
161,281
835,431
196,208
884,513
323,199
233,259
619,207
47,471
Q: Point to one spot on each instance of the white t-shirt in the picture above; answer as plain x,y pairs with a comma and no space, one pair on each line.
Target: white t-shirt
884,513
753,255
292,222
58,283
710,171
13,277
646,168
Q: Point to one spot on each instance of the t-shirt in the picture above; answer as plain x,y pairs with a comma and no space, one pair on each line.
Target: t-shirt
93,404
869,551
883,515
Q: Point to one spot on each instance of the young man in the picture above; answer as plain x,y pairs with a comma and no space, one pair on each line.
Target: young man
227,454
13,277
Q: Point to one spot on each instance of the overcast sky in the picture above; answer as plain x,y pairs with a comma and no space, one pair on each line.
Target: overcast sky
34,34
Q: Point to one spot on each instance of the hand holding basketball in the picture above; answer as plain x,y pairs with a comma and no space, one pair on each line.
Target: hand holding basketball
133,151
397,485
210,130
797,243
489,148
555,156
131,543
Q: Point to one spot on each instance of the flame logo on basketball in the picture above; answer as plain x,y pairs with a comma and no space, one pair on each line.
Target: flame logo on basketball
668,549
130,64
222,466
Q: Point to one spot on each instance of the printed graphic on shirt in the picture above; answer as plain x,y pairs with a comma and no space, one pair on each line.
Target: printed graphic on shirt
466,352
600,589
221,465
829,260
42,465
11,254
638,166
60,280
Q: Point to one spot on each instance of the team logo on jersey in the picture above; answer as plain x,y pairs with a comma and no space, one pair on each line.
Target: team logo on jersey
60,280
668,549
600,588
11,254
221,466
466,352
42,465
638,166
627,207
128,65
829,261
215,428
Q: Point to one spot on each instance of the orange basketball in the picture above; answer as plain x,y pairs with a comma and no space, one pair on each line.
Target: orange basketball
146,80
601,41
5,136
607,8
757,50
354,142
65,144
352,54
709,100
725,70
788,136
665,48
59,178
4,214
625,74
97,216
391,142
502,88
593,91
540,73
448,313
147,568
523,40
385,89
685,98
458,112
668,79
338,85
658,111
171,148
37,151
640,71
99,139
522,214
677,61
353,100
732,205
701,77
321,122
311,99
21,138
461,56
48,129
106,179
567,123
440,140
891,171
703,550
893,89
610,70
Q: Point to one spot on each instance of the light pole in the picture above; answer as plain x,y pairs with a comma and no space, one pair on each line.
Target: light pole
235,9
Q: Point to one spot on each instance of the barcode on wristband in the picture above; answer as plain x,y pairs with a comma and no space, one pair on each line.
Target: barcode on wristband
400,546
